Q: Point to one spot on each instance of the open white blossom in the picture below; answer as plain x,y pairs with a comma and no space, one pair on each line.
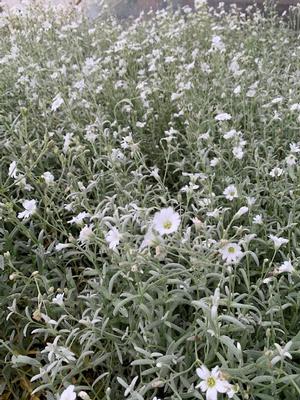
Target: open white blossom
223,117
86,234
48,177
276,172
68,394
12,170
294,147
30,208
215,213
278,241
231,253
113,238
231,192
286,266
78,219
150,239
214,161
213,383
230,134
59,299
67,141
166,221
291,160
238,152
257,219
217,43
57,102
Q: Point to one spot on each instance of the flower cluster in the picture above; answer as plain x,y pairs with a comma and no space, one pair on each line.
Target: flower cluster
149,205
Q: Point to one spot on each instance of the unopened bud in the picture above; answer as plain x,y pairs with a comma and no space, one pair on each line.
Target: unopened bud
157,383
37,315
84,396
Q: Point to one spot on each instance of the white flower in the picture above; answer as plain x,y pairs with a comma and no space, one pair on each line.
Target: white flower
61,246
67,142
291,160
212,382
294,147
166,221
223,117
30,208
21,181
204,136
149,239
68,394
217,43
241,211
277,100
231,253
12,170
230,134
91,135
238,152
189,188
257,220
84,396
78,219
57,102
295,107
237,90
283,352
214,214
86,234
214,161
59,299
285,267
155,172
230,192
251,93
278,241
113,238
48,177
276,172
250,201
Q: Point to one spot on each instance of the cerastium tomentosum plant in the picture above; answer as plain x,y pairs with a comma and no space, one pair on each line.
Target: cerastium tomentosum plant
149,231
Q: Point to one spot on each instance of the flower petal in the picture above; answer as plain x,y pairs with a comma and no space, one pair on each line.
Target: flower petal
203,386
203,372
211,394
222,386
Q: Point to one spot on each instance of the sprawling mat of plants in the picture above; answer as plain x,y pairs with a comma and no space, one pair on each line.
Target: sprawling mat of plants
150,206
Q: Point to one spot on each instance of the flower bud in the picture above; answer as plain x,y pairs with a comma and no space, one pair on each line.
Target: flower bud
84,396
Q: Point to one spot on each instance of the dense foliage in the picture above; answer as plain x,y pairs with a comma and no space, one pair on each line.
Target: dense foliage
150,207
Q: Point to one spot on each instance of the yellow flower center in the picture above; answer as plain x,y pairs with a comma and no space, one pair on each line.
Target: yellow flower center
211,382
167,224
231,250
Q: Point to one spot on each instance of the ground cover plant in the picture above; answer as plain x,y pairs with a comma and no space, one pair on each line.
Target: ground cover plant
149,232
